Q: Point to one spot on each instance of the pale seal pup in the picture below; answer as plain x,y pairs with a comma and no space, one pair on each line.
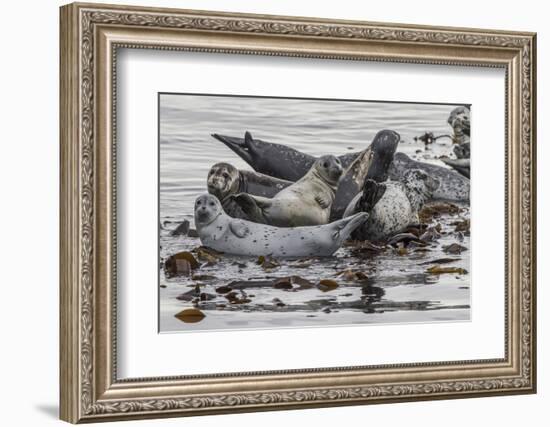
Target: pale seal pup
225,180
306,202
397,207
234,236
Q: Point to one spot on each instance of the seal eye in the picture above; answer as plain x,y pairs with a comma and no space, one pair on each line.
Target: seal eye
325,165
225,175
212,203
198,203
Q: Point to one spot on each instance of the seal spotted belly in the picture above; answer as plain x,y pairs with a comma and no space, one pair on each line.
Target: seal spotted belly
234,236
392,205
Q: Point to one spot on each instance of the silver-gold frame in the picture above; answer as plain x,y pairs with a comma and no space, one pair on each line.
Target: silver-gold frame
90,37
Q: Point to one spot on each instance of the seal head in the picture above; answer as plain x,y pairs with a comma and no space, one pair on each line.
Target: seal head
382,149
207,209
329,169
223,180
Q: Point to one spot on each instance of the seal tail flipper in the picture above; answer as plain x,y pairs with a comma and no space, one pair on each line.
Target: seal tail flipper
462,166
346,226
237,145
372,193
252,206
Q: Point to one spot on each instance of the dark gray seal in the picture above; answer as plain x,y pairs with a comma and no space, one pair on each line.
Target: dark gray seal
225,180
286,163
392,206
234,236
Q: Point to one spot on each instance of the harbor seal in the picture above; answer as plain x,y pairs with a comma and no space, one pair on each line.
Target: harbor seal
395,209
306,202
459,120
452,187
372,163
234,236
286,163
225,180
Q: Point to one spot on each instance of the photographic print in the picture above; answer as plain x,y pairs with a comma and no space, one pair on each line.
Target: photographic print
285,212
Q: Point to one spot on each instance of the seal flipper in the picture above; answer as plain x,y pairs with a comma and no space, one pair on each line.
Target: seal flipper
372,193
253,206
239,228
346,226
238,146
322,201
462,166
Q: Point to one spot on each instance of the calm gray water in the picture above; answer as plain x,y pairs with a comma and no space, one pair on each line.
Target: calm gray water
398,286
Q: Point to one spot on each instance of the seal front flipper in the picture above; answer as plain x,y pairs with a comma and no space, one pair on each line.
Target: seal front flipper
253,206
323,201
344,227
239,228
372,193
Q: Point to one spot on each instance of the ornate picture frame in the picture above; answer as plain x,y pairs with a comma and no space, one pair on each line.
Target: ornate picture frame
90,37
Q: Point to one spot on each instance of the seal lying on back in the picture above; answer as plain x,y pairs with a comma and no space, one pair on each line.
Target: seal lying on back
372,163
291,163
234,236
397,207
306,202
225,180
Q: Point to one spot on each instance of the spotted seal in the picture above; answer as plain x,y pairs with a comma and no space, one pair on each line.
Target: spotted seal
234,236
392,205
225,180
306,202
452,186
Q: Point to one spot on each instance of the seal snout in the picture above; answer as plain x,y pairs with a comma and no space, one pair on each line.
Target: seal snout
331,167
383,148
